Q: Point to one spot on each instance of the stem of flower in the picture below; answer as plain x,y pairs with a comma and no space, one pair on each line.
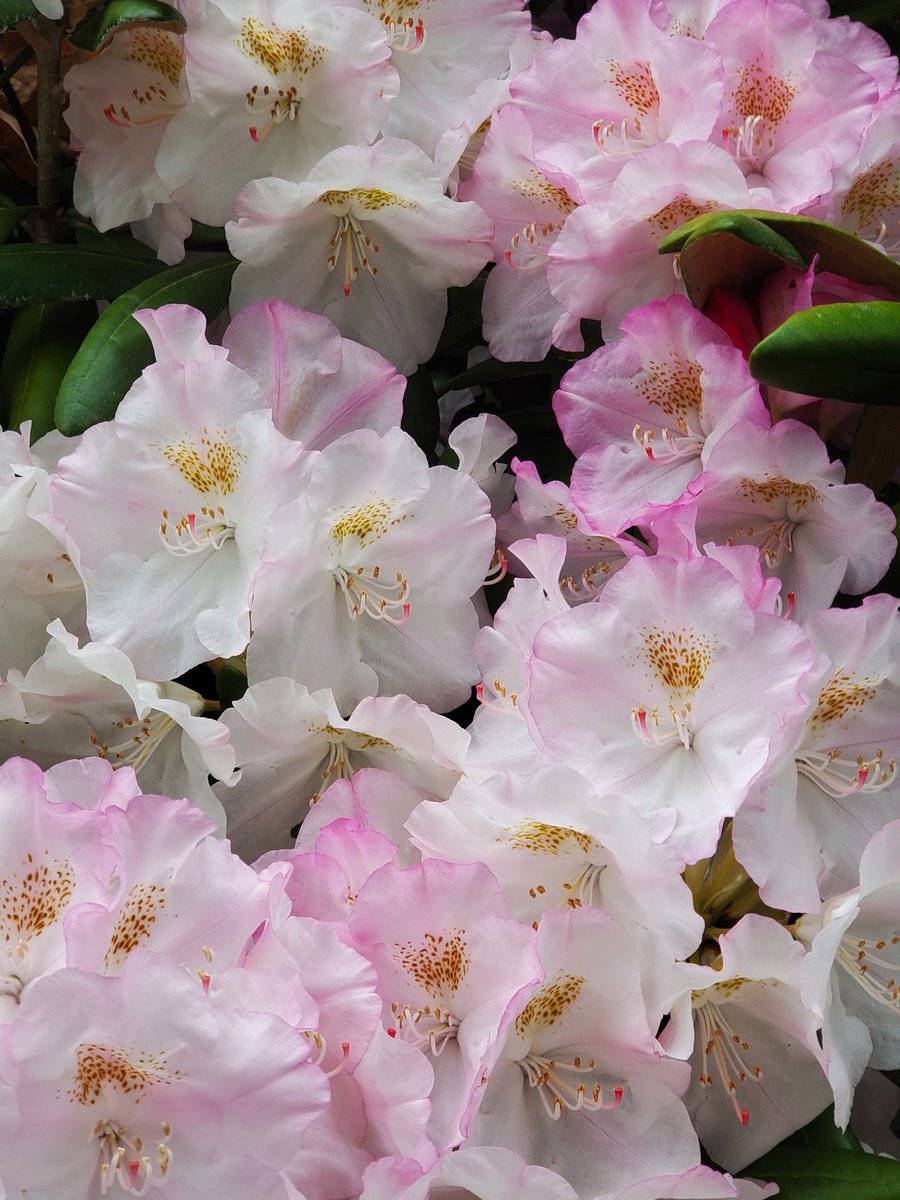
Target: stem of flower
45,37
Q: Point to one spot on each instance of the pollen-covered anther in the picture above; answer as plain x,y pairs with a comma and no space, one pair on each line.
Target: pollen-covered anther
864,959
141,738
838,777
646,726
406,34
530,244
368,590
504,700
557,1092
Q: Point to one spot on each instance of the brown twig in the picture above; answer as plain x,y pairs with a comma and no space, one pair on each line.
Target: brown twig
45,37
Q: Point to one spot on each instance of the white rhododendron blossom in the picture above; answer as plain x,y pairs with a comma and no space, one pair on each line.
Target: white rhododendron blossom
368,239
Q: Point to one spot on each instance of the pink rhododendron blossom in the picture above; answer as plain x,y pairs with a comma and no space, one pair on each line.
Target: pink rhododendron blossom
778,490
273,87
548,509
287,765
366,577
699,1183
668,684
139,1081
49,862
368,239
865,198
167,505
644,412
528,205
582,1082
318,384
621,86
452,969
780,120
478,444
120,104
605,260
755,1041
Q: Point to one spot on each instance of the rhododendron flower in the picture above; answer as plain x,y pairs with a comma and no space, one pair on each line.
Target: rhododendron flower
866,196
120,104
777,489
452,969
369,239
605,260
167,504
366,577
470,1173
443,50
621,86
88,700
318,384
582,1083
781,120
644,412
478,444
805,824
850,974
288,764
528,205
273,87
699,1183
755,1043
672,685
139,1080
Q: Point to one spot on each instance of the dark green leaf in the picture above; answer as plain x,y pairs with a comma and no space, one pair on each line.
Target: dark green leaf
823,1132
840,351
231,683
98,26
42,342
14,11
89,238
421,417
839,252
492,368
117,349
811,1173
32,274
10,216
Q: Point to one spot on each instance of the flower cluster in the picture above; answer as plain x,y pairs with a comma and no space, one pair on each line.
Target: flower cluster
323,942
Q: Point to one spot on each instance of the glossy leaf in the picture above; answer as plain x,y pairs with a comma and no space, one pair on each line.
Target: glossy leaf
839,252
840,351
817,1173
117,349
231,683
14,11
10,216
99,26
42,342
32,274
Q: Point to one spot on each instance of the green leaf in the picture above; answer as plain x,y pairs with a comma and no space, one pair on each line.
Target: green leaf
839,252
231,683
490,369
14,11
117,349
32,274
99,26
10,216
42,342
840,351
89,238
813,1173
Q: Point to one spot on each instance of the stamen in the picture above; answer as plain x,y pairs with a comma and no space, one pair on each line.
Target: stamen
646,726
840,778
142,738
529,246
505,700
123,1160
429,1029
558,1093
497,570
744,141
724,1046
877,976
673,446
355,243
195,532
406,35
366,592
